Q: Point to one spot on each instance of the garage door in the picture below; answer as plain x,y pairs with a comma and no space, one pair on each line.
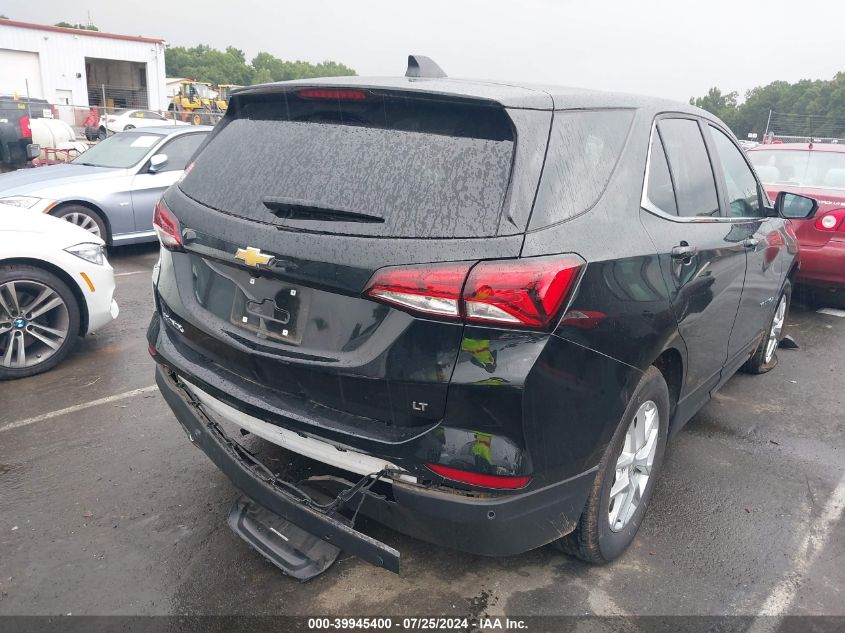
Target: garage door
18,68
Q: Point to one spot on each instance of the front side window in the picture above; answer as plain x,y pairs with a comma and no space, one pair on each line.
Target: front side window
180,150
742,191
695,188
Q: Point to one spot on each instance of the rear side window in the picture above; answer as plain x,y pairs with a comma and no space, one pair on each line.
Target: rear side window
364,164
695,188
661,193
740,183
583,150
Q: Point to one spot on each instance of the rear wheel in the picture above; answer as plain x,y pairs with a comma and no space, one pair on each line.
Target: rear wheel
39,321
102,134
626,476
83,217
765,357
129,127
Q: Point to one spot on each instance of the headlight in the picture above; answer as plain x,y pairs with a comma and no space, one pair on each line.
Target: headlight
24,202
94,253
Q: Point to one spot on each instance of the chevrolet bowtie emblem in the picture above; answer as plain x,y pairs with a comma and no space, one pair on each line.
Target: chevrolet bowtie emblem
253,257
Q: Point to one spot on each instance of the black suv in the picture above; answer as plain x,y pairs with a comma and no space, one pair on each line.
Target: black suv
16,147
477,309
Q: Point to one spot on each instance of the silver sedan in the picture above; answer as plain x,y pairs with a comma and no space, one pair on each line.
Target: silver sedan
112,188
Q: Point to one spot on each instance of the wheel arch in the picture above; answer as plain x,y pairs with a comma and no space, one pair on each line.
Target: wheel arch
93,207
65,277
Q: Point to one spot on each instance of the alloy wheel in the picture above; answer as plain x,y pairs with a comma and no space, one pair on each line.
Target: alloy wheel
34,323
84,221
633,466
774,332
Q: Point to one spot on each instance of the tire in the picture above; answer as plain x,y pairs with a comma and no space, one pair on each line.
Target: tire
765,357
48,337
102,134
84,217
129,127
595,540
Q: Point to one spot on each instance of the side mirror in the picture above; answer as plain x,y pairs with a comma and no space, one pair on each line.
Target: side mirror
795,207
157,163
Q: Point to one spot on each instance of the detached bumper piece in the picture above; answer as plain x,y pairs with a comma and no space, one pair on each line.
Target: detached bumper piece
290,548
272,520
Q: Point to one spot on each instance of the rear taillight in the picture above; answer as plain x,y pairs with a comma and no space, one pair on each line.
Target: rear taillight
432,289
167,227
332,93
111,119
497,482
831,221
526,292
26,129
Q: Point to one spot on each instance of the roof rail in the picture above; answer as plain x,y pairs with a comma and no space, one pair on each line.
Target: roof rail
422,66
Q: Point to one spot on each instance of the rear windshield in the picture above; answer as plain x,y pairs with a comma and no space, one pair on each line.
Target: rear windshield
375,165
825,170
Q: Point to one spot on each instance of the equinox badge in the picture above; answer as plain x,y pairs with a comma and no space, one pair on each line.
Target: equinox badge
253,257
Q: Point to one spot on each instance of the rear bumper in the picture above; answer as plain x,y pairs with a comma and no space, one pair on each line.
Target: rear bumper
500,525
823,266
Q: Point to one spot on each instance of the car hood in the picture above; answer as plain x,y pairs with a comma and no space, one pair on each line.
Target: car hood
30,181
26,223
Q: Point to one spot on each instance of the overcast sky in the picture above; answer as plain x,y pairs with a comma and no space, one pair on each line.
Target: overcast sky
670,49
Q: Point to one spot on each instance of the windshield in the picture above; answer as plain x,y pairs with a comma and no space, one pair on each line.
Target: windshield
804,168
120,151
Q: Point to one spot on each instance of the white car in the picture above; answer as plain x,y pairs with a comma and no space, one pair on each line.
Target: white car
121,120
55,285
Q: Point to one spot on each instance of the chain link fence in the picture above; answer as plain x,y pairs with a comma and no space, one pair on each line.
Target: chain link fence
805,128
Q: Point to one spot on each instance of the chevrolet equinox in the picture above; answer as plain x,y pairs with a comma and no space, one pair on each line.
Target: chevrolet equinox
478,309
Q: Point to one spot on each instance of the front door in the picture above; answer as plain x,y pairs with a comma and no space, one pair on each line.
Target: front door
702,262
764,240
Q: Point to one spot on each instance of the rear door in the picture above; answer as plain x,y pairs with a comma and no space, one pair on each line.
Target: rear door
147,187
701,259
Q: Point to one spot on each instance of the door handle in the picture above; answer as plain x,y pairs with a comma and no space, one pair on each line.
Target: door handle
685,251
751,242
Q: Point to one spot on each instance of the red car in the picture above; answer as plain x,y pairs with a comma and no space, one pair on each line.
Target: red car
815,170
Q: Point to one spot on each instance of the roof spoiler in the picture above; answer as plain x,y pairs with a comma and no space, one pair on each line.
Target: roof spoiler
422,66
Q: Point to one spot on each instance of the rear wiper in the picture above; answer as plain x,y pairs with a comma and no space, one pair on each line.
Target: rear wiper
292,209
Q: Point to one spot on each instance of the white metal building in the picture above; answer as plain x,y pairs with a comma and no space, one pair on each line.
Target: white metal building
81,68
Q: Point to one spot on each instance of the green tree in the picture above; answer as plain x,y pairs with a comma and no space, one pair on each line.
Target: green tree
203,63
84,27
812,107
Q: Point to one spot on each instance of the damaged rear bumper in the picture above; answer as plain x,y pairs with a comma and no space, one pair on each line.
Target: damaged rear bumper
494,525
208,436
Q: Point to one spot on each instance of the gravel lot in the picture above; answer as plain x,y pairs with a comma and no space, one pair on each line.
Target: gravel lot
108,509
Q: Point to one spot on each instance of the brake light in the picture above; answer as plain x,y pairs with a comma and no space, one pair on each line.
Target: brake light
26,129
431,289
167,227
498,482
332,93
111,119
526,292
831,221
